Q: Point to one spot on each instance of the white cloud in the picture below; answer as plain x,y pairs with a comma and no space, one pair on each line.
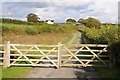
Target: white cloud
59,10
59,0
104,11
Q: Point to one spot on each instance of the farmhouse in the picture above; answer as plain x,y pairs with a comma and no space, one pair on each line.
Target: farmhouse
50,21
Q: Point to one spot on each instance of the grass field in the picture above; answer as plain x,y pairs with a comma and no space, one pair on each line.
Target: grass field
107,72
16,72
16,25
44,38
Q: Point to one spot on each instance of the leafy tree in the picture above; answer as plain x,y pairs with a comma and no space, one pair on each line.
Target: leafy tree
80,20
32,17
70,21
108,23
91,23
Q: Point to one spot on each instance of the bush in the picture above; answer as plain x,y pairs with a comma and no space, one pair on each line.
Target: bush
19,22
107,34
91,23
31,31
39,29
5,29
48,27
114,49
70,21
16,30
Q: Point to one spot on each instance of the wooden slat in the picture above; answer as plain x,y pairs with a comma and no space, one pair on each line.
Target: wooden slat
1,58
1,63
83,55
1,45
82,65
87,50
21,64
32,55
34,45
32,65
32,60
33,50
2,51
89,45
45,65
62,55
86,60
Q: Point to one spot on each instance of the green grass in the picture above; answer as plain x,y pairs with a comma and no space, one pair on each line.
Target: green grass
15,25
0,72
106,72
15,72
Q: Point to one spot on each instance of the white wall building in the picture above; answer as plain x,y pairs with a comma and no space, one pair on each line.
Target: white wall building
50,21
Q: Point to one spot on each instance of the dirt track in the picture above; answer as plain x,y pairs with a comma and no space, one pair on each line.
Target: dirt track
62,73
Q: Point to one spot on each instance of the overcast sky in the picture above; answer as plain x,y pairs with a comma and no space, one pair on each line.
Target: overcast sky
59,10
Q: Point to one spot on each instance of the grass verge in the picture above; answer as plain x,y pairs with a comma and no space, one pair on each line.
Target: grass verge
105,72
15,72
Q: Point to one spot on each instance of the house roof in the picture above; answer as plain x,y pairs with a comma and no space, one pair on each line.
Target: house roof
49,20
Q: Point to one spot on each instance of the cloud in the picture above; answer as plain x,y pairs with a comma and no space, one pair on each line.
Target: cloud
108,12
59,10
59,0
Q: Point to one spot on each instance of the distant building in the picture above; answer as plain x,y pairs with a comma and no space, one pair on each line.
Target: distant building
50,21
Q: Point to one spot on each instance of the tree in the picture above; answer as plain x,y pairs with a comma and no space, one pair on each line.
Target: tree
108,23
80,20
92,22
32,17
71,21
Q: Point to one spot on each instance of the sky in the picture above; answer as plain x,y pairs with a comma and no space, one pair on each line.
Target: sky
60,10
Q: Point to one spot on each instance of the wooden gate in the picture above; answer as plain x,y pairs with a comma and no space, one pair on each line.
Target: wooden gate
54,55
85,55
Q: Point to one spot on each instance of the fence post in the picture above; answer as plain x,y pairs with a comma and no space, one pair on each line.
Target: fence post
6,62
59,54
110,59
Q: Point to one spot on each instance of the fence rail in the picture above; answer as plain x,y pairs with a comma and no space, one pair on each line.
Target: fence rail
53,55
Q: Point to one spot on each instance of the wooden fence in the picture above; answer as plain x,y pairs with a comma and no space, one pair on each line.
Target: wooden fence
54,55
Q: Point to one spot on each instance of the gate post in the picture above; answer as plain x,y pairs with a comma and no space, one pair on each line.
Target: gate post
59,54
6,62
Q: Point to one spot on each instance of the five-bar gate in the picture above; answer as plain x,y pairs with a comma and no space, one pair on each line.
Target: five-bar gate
54,55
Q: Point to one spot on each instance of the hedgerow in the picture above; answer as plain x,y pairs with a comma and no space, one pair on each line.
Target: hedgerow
35,28
107,34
